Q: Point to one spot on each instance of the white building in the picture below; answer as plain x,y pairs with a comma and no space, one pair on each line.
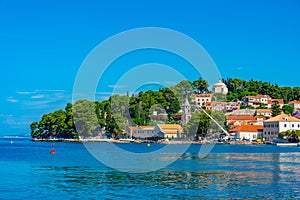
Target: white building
201,99
264,112
278,124
258,100
294,104
222,106
248,132
220,88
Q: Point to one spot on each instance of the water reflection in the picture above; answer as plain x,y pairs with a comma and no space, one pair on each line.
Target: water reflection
220,175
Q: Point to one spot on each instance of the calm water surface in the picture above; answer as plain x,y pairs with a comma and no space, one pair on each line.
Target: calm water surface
28,170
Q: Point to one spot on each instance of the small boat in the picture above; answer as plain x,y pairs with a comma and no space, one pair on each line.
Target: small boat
127,140
287,144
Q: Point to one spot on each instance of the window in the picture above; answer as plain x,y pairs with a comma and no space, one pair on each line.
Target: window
292,125
285,125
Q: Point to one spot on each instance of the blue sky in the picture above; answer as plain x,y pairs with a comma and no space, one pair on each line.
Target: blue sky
43,44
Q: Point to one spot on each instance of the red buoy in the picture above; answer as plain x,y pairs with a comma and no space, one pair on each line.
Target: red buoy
52,151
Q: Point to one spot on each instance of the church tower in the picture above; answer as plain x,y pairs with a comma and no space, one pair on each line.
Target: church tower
186,115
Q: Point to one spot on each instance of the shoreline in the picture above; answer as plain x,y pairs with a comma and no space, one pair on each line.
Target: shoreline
127,141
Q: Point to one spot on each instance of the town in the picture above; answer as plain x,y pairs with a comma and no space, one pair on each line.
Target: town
256,121
233,111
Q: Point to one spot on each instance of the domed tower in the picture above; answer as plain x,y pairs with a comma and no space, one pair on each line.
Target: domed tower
219,88
186,115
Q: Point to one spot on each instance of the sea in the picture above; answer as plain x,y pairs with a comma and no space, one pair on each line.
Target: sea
29,171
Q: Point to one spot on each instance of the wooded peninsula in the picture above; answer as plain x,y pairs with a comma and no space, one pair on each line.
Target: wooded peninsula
110,117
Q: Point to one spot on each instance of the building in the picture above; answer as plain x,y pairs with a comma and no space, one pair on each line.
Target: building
238,119
186,112
264,112
256,101
222,106
259,100
294,104
258,120
220,88
160,131
202,99
141,132
246,132
131,131
169,131
279,124
280,102
242,112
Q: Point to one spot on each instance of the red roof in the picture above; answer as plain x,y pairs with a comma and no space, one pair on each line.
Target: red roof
215,103
279,101
259,117
133,128
246,128
294,102
258,96
203,95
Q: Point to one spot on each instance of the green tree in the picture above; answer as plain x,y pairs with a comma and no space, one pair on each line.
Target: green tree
296,92
276,109
200,85
70,129
85,118
262,106
198,125
287,109
35,131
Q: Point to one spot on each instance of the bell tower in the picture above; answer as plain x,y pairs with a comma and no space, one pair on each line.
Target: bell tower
186,115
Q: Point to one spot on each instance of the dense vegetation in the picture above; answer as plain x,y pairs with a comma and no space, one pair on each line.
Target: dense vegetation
239,88
113,115
291,136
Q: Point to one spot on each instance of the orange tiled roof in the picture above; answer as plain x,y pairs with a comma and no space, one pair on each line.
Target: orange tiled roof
133,128
147,127
239,117
280,101
215,103
259,116
263,110
294,102
246,128
283,118
250,97
170,126
203,95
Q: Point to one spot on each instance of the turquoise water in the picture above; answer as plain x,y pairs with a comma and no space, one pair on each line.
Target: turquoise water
28,170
